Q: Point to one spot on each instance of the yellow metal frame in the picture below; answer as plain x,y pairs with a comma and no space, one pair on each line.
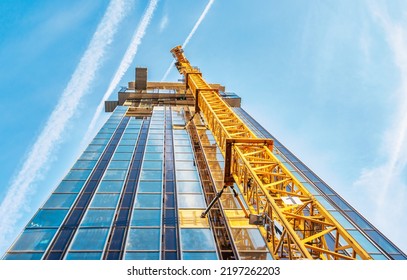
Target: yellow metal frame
297,225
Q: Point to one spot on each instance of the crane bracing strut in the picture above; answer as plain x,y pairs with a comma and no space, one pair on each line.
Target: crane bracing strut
296,225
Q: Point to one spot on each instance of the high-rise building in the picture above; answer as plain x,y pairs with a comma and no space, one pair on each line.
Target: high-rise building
152,185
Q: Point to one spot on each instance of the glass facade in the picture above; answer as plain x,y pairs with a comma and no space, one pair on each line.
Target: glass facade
138,193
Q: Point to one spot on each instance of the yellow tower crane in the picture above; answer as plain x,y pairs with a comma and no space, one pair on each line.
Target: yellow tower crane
293,222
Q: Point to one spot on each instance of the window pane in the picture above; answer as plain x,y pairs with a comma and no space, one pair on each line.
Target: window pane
150,186
149,164
89,156
105,200
84,256
151,175
184,156
90,239
189,187
251,239
119,164
199,239
98,218
144,239
125,149
199,256
146,218
153,156
122,156
187,175
70,186
110,186
142,256
60,201
115,174
84,164
23,256
48,218
191,201
78,174
148,201
34,240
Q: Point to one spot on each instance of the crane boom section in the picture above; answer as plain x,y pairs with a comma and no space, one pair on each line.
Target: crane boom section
297,225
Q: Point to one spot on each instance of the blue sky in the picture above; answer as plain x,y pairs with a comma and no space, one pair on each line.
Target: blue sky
327,78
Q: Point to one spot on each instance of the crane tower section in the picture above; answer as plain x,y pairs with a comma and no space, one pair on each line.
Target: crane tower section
294,223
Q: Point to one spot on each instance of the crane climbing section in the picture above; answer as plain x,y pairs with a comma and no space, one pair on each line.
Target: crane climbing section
294,223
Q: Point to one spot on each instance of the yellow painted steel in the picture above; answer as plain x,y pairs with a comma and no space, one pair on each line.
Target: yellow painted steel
297,225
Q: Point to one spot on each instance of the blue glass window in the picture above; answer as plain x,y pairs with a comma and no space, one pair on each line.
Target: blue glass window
84,164
148,201
150,186
105,200
89,156
110,186
125,149
95,148
115,174
150,164
48,218
156,149
142,256
184,156
90,239
78,174
84,256
191,201
187,175
98,218
151,175
70,186
119,164
146,218
144,239
199,256
197,239
122,156
128,142
60,201
34,240
100,141
23,256
153,156
189,187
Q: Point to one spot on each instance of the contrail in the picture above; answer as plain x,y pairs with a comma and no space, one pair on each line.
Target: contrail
50,137
124,64
200,19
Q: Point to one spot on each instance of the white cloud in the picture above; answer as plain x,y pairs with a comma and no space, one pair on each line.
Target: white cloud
200,19
50,137
124,64
385,182
164,23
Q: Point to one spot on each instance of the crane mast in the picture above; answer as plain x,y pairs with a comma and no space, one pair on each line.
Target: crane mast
294,224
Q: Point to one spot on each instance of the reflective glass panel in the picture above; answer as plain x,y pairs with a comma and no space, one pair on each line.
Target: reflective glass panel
70,186
34,240
197,239
23,256
115,174
98,218
150,186
48,218
105,200
148,201
60,201
90,239
146,218
191,201
142,256
84,256
199,256
110,186
144,239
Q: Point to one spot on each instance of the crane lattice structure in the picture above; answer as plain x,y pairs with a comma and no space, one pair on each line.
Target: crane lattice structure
294,223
